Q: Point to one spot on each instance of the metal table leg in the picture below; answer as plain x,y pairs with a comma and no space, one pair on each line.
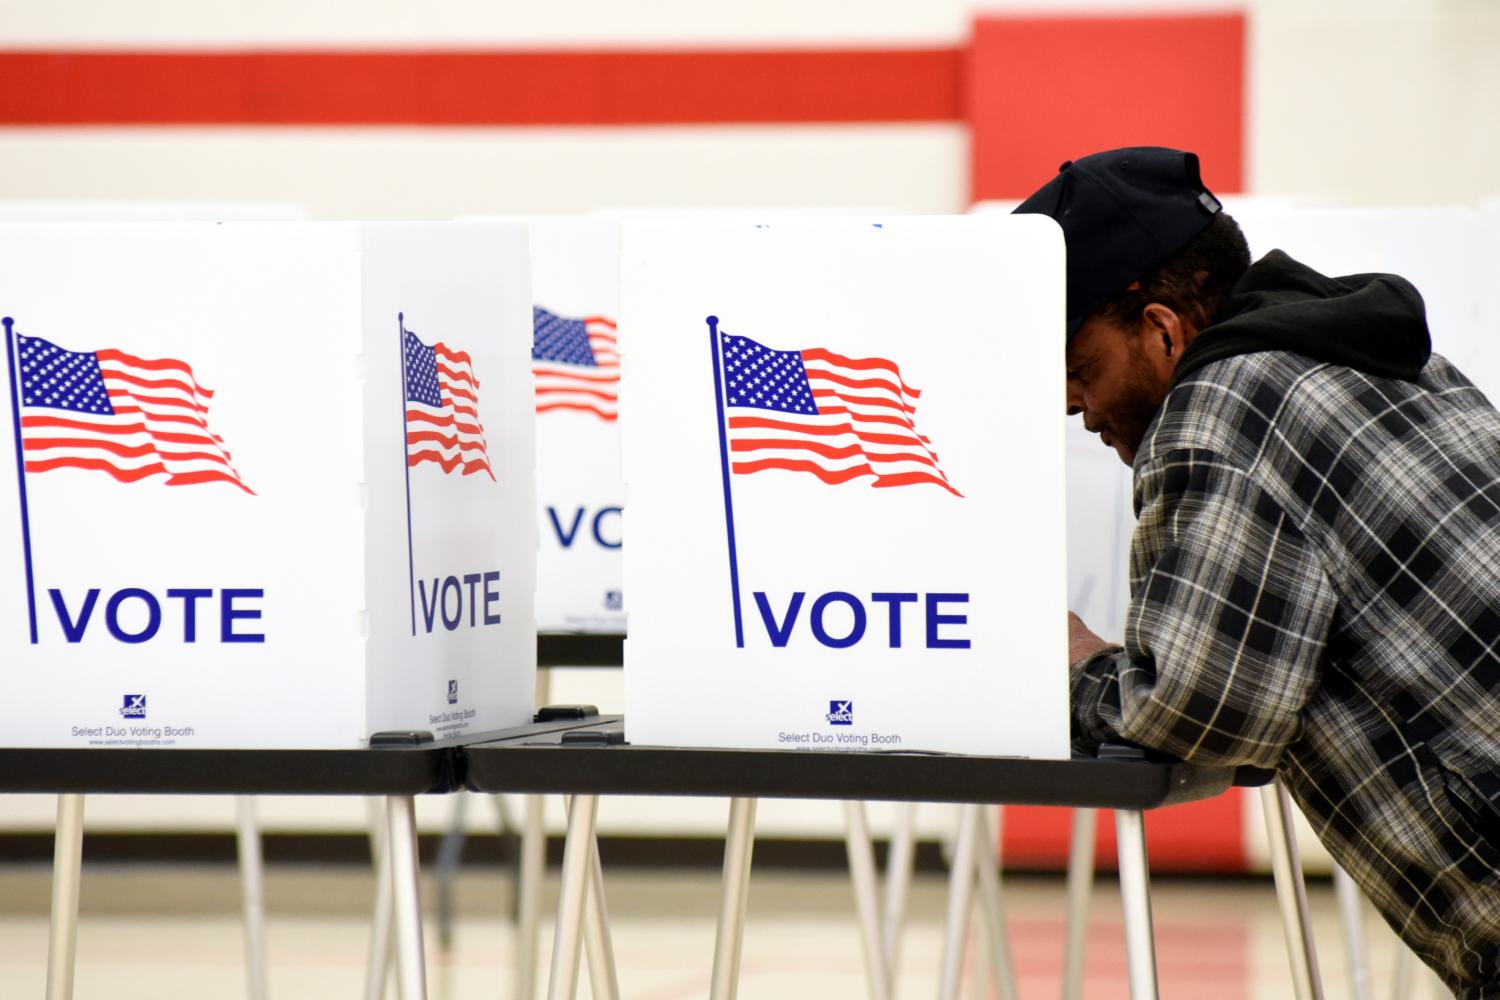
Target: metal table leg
992,904
445,867
252,883
866,899
1291,892
1135,894
898,870
1405,973
378,960
577,851
739,846
1080,888
67,872
604,976
1352,918
401,849
530,873
960,900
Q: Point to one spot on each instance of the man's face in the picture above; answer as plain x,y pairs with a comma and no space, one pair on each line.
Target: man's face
1117,378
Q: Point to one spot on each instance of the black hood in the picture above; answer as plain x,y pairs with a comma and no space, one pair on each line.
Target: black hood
1375,323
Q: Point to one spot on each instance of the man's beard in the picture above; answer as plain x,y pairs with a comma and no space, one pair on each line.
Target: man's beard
1140,398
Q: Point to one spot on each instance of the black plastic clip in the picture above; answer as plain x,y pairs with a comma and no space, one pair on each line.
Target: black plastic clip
593,737
1121,751
563,713
400,738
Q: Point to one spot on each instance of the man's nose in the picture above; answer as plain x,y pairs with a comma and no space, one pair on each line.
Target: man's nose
1074,399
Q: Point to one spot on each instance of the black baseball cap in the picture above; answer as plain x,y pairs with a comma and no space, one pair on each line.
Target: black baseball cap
1122,213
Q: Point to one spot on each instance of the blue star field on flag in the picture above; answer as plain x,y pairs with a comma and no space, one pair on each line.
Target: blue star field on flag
59,379
757,376
555,338
421,372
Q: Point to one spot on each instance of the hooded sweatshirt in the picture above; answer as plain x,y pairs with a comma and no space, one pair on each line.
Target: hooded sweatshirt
1375,323
1315,581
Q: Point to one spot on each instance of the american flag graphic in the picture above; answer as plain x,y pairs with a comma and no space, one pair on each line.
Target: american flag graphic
576,363
824,414
442,408
108,411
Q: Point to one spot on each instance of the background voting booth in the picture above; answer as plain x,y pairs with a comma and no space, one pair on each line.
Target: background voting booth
576,362
273,487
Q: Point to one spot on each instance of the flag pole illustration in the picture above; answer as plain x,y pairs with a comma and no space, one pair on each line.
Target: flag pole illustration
411,563
15,413
715,347
815,412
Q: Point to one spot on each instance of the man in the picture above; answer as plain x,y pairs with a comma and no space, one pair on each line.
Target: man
1315,571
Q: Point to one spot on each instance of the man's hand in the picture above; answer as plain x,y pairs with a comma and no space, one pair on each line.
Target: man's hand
1082,642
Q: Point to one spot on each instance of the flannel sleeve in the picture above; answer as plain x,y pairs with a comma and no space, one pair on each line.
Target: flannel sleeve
1229,617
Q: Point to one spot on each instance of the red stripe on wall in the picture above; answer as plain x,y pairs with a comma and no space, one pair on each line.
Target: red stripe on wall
1047,89
480,88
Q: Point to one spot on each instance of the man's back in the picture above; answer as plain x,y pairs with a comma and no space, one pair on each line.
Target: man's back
1337,534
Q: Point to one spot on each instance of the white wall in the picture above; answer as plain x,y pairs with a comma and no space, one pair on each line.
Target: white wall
1375,101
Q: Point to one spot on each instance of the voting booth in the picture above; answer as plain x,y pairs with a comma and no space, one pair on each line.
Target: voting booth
843,456
267,485
576,363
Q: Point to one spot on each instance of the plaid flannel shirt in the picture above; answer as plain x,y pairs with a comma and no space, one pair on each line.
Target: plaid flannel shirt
1315,579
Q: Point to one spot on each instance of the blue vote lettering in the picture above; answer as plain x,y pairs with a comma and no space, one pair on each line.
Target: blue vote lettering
939,619
567,535
565,538
127,604
599,517
446,601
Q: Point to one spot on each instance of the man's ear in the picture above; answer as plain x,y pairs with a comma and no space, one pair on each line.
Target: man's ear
1166,336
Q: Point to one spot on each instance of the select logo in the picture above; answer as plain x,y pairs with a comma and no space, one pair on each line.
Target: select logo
840,713
134,707
453,692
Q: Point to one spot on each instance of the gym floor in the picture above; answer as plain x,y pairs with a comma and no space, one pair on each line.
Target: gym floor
155,931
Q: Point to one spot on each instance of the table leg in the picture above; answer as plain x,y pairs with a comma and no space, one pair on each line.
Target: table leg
578,848
960,900
530,873
739,846
604,976
445,867
1405,973
992,903
1291,892
900,862
67,872
1135,895
1352,917
252,882
401,849
378,961
1080,888
866,899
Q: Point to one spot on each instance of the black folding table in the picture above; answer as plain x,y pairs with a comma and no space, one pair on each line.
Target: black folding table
395,767
591,759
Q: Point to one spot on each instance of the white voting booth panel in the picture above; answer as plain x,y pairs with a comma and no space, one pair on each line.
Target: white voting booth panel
575,358
268,485
843,462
